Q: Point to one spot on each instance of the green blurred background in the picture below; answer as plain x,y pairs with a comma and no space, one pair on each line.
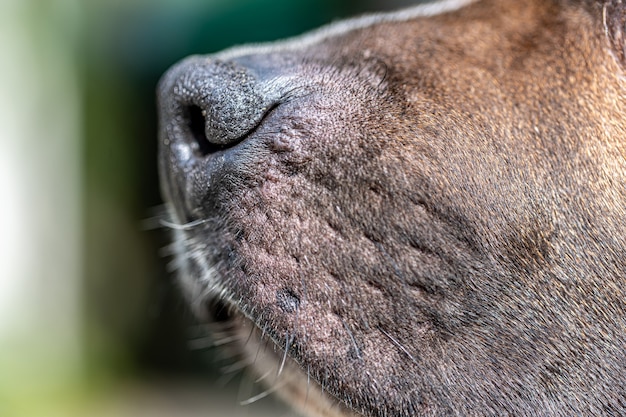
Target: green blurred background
91,322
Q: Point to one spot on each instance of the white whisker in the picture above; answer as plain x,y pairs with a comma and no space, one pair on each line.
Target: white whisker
263,377
186,226
225,340
234,367
262,394
282,362
201,343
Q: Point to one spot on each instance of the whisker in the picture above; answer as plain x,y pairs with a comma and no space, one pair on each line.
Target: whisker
152,223
356,347
201,343
156,214
234,367
186,226
258,351
308,384
399,345
288,340
224,379
262,377
173,265
252,328
225,340
263,394
168,250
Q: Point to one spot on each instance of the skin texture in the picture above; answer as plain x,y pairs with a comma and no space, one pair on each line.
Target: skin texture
424,216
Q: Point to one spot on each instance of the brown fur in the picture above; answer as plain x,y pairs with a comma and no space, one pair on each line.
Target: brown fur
428,214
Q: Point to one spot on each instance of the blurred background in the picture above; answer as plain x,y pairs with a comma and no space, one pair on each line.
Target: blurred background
91,323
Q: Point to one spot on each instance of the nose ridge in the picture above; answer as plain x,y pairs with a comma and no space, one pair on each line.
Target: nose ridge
212,104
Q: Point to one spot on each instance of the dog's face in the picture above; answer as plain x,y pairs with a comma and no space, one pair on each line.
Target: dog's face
424,212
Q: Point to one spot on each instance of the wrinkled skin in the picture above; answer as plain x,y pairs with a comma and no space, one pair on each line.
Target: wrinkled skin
425,215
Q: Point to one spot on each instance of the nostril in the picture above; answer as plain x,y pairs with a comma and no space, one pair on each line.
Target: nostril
195,119
210,106
196,122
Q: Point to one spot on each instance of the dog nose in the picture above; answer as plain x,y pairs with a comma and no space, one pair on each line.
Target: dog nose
211,105
209,109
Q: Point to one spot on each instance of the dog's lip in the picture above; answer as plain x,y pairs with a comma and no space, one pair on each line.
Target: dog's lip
251,341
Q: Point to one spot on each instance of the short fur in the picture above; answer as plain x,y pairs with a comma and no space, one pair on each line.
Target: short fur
425,214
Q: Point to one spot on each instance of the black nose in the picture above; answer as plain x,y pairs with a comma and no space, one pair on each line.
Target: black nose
211,105
209,111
